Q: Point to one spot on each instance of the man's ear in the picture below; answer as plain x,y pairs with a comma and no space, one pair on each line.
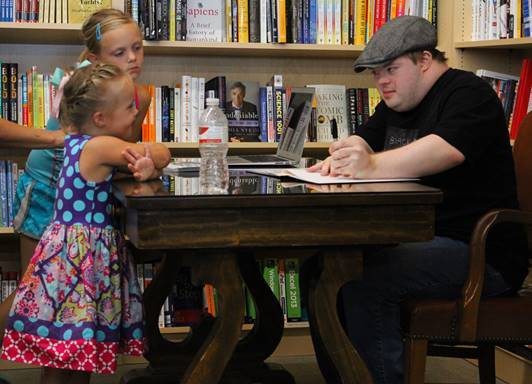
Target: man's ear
98,119
426,60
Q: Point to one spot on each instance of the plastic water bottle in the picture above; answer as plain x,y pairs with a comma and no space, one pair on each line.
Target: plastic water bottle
213,135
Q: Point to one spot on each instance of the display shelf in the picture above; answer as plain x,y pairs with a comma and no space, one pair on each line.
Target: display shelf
7,231
35,33
191,149
521,43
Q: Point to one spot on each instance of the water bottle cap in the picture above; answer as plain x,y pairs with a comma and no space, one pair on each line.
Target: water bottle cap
212,101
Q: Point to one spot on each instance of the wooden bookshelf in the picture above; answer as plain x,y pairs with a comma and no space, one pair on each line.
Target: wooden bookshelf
521,43
38,33
191,149
7,231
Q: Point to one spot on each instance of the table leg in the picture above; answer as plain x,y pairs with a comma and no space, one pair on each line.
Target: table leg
325,274
203,355
247,363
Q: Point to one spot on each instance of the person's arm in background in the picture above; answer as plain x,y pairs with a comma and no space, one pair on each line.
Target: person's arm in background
144,103
14,135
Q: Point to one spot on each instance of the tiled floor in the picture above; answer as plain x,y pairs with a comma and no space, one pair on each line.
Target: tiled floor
304,369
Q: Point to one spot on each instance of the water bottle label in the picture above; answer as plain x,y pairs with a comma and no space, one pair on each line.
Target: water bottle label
213,133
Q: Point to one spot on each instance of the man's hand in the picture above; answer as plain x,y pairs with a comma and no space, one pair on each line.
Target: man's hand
141,167
349,157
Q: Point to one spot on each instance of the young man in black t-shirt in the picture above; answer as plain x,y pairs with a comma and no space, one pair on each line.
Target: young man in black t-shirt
447,127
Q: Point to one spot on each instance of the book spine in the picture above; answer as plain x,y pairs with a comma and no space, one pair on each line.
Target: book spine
4,68
281,20
293,292
164,28
278,113
186,108
3,193
282,288
234,21
263,115
243,22
254,21
177,113
171,114
165,114
271,275
9,192
351,110
158,115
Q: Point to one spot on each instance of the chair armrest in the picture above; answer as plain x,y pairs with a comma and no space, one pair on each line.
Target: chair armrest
472,290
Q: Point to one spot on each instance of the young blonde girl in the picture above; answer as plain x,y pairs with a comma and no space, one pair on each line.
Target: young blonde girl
112,37
79,302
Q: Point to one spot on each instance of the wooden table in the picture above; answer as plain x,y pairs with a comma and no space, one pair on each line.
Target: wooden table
219,236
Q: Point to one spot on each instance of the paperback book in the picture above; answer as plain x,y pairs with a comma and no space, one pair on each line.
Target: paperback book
205,20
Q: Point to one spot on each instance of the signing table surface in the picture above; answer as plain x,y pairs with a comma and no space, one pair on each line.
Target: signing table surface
221,237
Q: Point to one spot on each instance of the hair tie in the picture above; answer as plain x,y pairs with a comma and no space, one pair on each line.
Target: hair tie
98,32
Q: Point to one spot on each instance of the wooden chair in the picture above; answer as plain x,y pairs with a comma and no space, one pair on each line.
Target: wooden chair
471,326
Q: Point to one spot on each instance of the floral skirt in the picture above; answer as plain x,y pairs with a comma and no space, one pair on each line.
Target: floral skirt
78,304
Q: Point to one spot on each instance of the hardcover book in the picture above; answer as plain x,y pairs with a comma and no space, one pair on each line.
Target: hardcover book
79,10
331,112
242,110
205,20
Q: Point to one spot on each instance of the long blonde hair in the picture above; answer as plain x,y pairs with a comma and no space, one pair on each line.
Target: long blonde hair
84,93
108,19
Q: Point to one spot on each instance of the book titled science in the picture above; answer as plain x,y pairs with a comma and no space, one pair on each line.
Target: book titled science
205,20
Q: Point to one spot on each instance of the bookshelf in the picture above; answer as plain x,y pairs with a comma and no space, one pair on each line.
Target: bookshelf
52,45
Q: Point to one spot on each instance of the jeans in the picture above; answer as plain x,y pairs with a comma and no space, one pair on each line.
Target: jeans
433,269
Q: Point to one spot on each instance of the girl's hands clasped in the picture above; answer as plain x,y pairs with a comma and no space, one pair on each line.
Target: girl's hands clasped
141,166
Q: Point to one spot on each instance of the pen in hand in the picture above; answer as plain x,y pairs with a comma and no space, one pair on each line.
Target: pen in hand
334,128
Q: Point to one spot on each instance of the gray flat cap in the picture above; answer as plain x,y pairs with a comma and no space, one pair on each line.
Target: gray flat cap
395,38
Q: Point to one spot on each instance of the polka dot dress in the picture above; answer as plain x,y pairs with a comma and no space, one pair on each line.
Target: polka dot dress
79,303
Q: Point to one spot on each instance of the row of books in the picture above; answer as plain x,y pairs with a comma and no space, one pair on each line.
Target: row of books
8,283
49,11
514,92
254,113
500,19
9,174
272,21
25,99
240,183
187,304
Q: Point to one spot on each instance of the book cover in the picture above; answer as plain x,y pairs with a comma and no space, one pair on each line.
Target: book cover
79,10
331,107
242,110
187,299
205,20
293,293
271,275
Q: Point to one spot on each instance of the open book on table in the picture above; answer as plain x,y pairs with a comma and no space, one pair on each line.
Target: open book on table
316,178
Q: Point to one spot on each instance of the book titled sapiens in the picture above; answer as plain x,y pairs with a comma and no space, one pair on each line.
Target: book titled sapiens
205,20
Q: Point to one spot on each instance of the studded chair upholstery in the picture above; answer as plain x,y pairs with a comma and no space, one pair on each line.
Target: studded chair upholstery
471,326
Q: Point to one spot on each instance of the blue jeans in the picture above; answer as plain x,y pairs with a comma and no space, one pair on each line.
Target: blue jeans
434,269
